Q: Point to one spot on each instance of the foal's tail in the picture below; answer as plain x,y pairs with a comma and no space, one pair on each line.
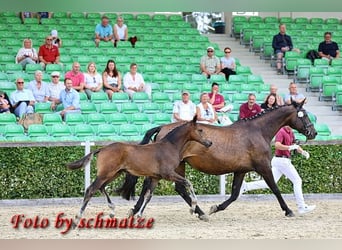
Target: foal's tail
127,190
82,162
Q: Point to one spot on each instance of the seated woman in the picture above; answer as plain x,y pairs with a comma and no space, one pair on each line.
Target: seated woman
205,111
27,54
93,80
111,79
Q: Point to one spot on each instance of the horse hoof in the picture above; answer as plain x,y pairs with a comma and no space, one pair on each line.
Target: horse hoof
111,215
204,217
130,213
213,209
290,214
191,210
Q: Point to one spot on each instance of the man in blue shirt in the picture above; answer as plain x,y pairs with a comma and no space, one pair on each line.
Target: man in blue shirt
281,43
103,32
70,99
22,99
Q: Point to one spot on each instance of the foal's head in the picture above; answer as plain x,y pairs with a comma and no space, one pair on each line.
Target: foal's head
301,121
189,131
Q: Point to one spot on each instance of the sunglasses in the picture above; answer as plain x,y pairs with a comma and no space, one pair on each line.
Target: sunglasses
55,76
20,82
48,39
210,51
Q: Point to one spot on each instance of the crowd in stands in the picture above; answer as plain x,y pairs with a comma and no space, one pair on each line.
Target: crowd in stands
64,90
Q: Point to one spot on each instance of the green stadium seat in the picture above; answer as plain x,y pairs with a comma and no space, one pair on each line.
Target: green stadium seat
160,97
73,119
59,130
106,130
108,107
99,97
150,108
53,67
7,119
140,118
11,130
116,118
161,118
167,107
96,16
129,108
31,68
88,107
42,107
120,97
322,129
83,130
35,130
51,119
129,130
13,68
328,88
140,97
7,86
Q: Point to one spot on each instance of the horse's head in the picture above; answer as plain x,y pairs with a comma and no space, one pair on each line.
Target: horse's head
301,121
196,134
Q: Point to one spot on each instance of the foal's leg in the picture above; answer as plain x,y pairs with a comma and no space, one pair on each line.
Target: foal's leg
137,206
267,174
237,181
109,201
181,190
89,193
148,195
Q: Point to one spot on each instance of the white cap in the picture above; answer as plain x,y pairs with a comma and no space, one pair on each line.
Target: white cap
54,33
55,73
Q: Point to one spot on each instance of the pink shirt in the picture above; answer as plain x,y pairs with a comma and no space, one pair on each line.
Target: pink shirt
285,137
75,78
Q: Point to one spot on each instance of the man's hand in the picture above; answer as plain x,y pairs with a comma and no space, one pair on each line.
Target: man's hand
293,147
305,154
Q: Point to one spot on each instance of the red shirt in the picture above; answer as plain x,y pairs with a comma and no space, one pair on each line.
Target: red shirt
218,99
245,112
48,54
75,78
285,137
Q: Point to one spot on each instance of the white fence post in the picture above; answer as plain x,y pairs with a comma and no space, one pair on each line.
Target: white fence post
223,184
87,146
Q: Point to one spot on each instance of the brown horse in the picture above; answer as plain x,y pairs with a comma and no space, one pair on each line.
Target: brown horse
239,148
158,161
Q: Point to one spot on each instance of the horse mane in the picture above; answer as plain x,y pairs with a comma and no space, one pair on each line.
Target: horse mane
265,111
172,131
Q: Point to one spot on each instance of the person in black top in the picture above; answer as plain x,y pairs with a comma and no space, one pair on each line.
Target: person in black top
328,49
270,102
281,43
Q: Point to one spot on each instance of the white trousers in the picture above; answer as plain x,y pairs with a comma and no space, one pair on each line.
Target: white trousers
282,166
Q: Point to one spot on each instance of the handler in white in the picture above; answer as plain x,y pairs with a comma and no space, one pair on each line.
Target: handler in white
281,165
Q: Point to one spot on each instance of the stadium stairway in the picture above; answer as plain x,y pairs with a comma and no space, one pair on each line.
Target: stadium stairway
322,109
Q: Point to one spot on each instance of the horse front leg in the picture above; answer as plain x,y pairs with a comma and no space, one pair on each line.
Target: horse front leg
237,181
180,188
269,179
148,195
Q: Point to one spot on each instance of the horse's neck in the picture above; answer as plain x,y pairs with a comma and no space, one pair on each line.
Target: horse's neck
271,122
177,138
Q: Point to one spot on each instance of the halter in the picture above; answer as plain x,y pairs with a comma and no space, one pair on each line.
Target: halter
300,115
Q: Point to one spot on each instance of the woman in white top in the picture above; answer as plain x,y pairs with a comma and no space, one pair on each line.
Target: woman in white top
111,79
205,111
228,63
27,54
93,80
120,30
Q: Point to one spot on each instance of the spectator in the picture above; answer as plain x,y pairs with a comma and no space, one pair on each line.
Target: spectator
22,100
39,88
270,102
249,108
228,63
48,53
273,90
328,49
134,82
121,32
24,15
103,31
27,54
205,111
111,78
69,98
57,41
216,99
293,94
210,64
4,103
281,165
41,15
55,88
281,44
183,110
93,80
76,76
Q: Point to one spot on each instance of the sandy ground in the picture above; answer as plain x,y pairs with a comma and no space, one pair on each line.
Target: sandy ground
251,217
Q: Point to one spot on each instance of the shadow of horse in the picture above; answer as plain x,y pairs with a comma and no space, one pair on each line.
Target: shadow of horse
158,161
239,148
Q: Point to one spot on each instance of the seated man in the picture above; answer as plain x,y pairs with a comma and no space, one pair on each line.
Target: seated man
281,43
22,99
76,76
328,49
70,99
249,108
103,32
210,64
48,53
183,110
293,94
134,82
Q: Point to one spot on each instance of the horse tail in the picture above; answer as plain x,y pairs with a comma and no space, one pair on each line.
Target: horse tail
83,161
127,190
148,135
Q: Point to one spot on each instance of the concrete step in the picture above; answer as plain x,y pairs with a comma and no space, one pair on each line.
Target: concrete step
322,109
